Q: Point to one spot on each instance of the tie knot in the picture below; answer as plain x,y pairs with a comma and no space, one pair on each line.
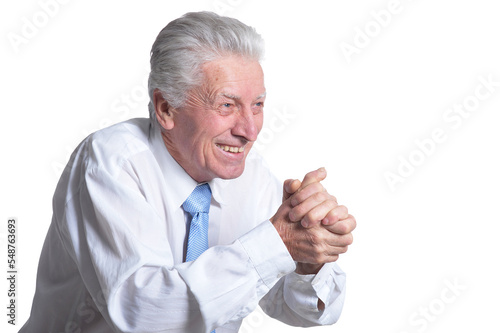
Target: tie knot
199,200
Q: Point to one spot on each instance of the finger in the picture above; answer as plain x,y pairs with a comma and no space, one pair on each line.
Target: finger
298,212
336,250
335,244
304,192
340,241
343,227
336,214
311,211
328,253
314,177
314,217
290,186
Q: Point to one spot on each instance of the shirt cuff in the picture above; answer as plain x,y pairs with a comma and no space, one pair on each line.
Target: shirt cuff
268,253
329,283
301,292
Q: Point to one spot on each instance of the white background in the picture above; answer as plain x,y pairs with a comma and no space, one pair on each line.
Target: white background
74,73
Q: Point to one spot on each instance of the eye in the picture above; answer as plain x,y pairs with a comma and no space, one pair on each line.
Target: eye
226,108
258,107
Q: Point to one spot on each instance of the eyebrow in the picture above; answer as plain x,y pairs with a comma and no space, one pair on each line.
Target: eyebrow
239,98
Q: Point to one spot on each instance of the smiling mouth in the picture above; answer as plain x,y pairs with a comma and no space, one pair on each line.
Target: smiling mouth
231,149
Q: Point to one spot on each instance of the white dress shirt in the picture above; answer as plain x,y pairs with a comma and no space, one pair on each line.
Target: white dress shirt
113,259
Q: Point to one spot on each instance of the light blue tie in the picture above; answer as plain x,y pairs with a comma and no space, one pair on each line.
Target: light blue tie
198,206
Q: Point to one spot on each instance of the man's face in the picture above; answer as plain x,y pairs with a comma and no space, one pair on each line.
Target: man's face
213,133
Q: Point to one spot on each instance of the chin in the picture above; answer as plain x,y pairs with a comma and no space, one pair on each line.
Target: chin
235,173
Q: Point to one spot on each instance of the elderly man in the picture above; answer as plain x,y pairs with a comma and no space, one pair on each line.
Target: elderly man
172,224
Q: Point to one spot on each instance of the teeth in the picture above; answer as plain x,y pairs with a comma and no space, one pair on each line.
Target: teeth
232,149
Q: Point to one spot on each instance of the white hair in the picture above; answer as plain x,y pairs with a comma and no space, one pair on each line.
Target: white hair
185,44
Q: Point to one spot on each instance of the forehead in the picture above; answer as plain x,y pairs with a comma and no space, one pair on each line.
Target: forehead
234,72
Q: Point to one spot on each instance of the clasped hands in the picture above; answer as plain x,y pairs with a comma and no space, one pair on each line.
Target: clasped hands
313,226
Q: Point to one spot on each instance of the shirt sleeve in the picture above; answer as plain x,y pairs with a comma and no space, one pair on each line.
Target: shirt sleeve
294,299
124,258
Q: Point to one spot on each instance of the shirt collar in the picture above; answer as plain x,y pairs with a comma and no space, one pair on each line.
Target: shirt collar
217,186
175,176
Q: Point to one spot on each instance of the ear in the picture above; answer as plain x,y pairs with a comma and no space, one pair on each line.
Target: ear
164,112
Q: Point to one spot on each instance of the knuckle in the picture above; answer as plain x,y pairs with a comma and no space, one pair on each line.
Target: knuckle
342,228
343,210
347,225
322,255
312,216
306,221
296,213
339,213
317,187
318,196
310,176
332,204
349,239
299,195
354,223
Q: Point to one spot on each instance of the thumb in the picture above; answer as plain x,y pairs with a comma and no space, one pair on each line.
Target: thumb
290,186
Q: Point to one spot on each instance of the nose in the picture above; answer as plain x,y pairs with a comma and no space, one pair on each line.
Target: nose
248,124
